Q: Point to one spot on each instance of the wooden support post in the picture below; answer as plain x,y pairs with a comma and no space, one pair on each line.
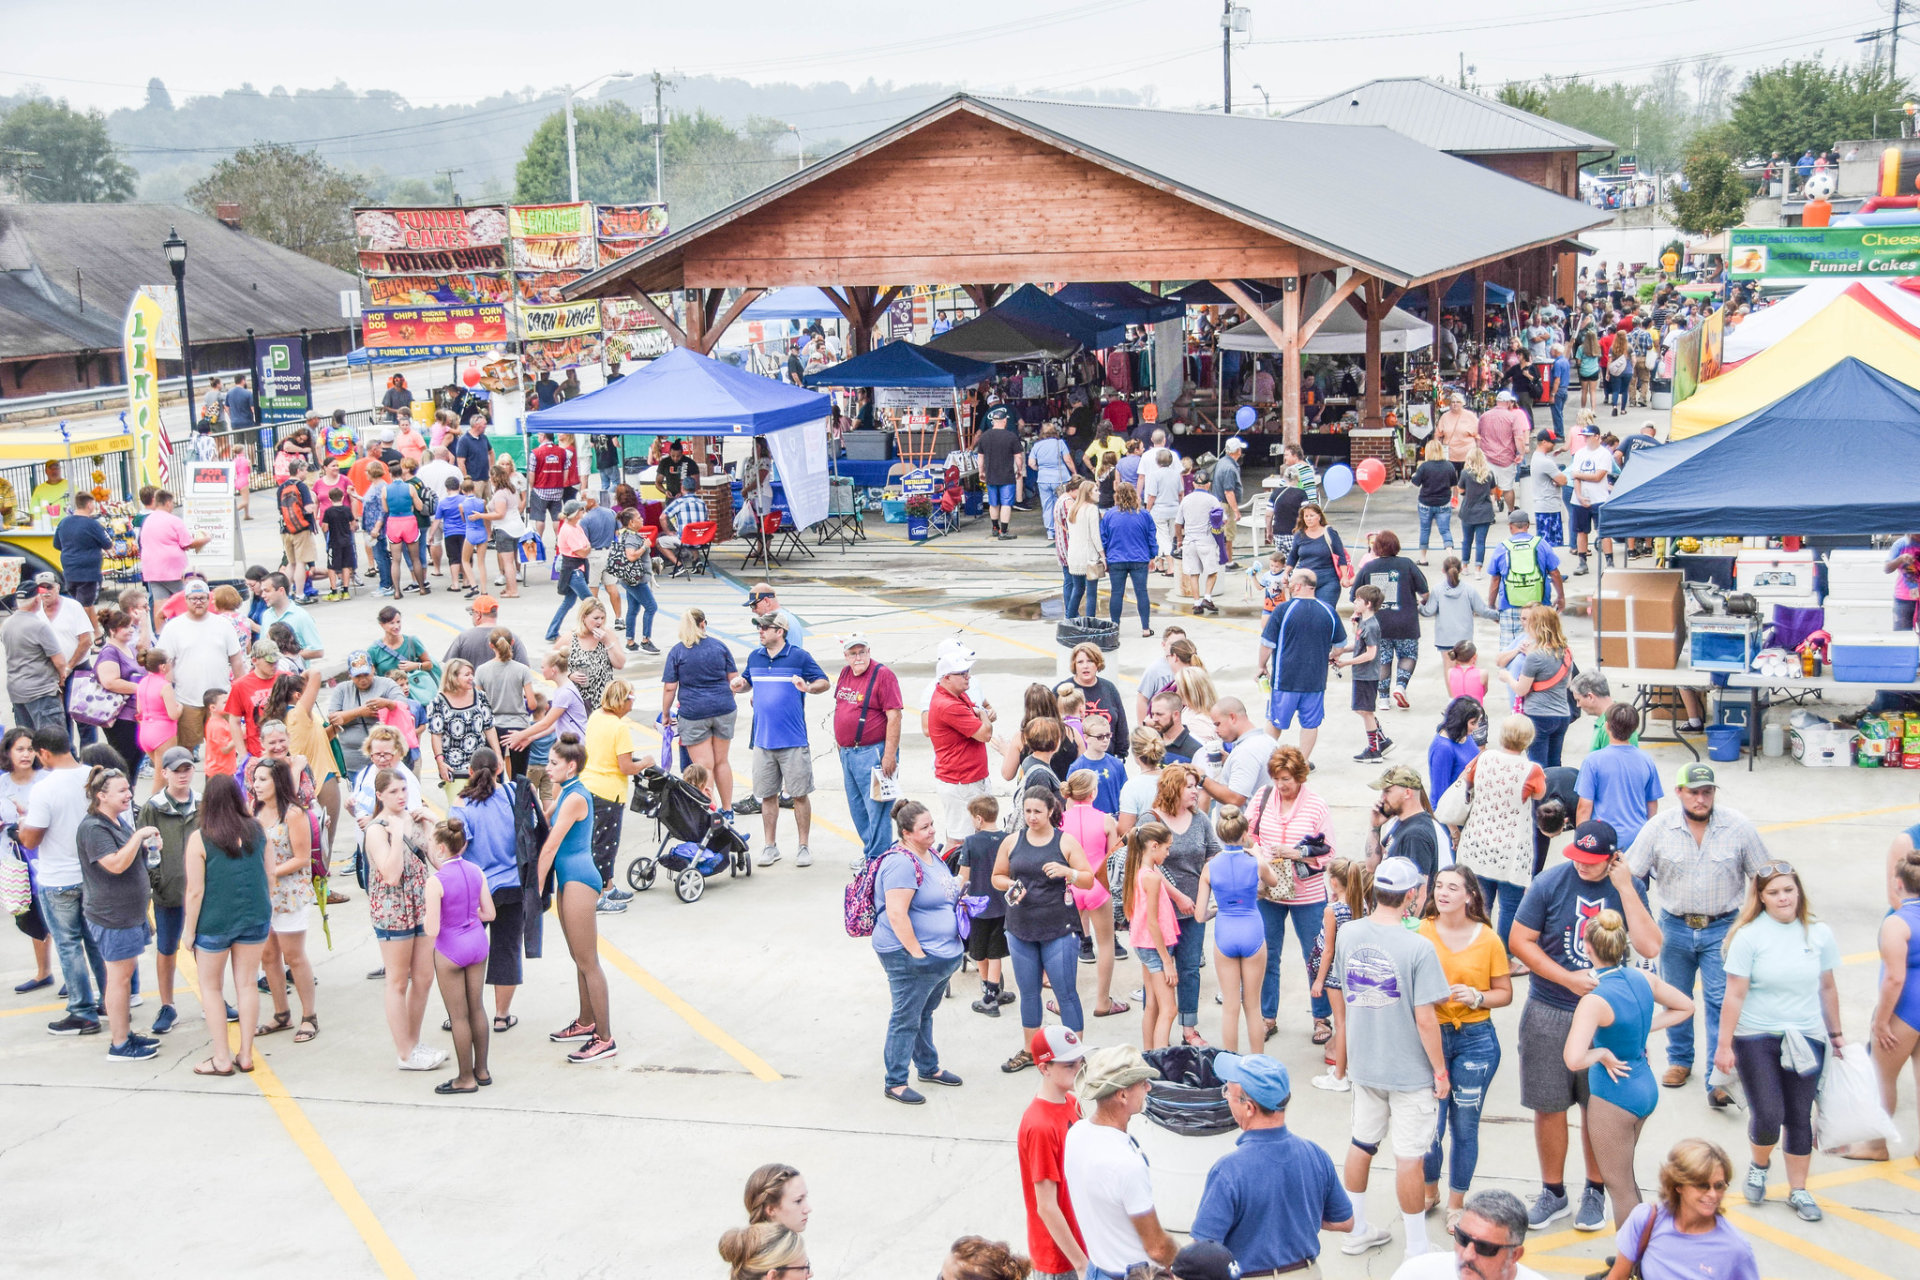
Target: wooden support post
1375,311
696,313
1479,304
1285,335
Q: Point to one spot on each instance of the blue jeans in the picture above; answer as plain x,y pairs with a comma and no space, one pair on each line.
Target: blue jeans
1472,1054
1327,591
1118,575
1473,543
1060,958
870,817
1549,733
1508,896
33,714
1189,957
1428,517
1306,917
383,561
1685,954
572,587
642,605
1080,588
1049,490
81,966
1560,415
918,987
1617,388
609,481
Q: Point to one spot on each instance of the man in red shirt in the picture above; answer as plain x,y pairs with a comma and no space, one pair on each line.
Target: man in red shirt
249,694
1505,431
1053,1237
866,728
959,732
548,482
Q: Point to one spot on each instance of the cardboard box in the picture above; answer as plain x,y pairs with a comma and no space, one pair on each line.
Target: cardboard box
1642,619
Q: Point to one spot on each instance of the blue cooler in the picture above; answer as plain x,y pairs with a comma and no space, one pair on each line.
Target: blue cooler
1876,659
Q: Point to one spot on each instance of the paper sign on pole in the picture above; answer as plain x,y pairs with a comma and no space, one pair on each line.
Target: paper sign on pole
151,451
209,508
800,453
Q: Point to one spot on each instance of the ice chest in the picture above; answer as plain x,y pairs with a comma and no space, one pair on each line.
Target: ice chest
1776,575
1854,616
1858,573
1876,659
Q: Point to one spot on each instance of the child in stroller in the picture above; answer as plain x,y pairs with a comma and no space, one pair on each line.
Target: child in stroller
696,841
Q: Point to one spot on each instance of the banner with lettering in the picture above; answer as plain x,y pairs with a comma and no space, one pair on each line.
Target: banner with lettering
152,453
553,253
391,230
561,353
467,287
1797,253
386,327
624,315
489,257
525,220
631,221
561,321
638,344
543,287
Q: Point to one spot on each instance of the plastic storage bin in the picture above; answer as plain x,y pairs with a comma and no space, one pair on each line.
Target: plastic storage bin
1854,574
1876,659
1824,747
1855,616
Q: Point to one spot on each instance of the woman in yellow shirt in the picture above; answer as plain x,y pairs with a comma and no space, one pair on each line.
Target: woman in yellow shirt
611,760
1476,967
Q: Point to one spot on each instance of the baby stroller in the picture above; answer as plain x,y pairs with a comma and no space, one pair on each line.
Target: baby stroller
695,842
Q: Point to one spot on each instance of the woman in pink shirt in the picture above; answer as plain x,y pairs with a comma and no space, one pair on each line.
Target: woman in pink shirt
574,548
164,543
1281,819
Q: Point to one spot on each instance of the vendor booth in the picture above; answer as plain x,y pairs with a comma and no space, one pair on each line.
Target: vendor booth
1762,329
913,388
1030,305
1000,339
686,394
1121,303
97,457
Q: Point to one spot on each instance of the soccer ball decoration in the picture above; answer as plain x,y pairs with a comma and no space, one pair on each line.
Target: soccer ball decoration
1820,186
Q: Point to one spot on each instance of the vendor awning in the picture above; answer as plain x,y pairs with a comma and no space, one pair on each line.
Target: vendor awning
1342,333
901,364
798,303
1205,293
1030,304
1460,295
686,394
89,440
1121,303
999,339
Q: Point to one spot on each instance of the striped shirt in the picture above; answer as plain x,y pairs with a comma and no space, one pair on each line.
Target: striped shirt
1707,877
1279,829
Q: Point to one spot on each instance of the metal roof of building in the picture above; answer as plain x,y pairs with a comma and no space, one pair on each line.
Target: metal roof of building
72,268
1446,118
1336,189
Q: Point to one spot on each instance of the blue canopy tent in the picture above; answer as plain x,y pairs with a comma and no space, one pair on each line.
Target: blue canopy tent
1205,293
901,364
805,303
1121,303
1034,306
1460,295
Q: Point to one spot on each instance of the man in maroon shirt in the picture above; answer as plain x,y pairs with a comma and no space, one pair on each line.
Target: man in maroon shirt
1504,434
866,727
959,732
548,481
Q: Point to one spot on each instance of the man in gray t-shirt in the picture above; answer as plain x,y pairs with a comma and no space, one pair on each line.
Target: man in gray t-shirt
1388,1038
1228,487
355,704
36,664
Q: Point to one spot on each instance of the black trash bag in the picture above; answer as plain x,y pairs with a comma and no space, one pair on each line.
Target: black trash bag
1100,631
1188,1098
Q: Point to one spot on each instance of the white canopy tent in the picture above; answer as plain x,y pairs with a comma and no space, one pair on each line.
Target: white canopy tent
1344,333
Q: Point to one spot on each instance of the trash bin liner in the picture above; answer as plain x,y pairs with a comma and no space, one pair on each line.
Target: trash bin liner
1100,631
1188,1098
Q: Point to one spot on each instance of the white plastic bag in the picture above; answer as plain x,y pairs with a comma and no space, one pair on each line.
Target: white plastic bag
1848,1106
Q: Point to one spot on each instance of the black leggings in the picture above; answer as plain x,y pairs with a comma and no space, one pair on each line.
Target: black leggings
607,817
1777,1098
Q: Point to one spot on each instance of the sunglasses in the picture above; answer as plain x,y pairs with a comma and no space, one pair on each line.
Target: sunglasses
1773,869
1485,1248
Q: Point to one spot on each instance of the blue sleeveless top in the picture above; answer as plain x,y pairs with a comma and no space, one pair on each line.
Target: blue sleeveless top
1631,996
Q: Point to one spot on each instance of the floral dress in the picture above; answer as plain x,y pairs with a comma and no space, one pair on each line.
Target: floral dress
462,730
398,908
293,891
591,670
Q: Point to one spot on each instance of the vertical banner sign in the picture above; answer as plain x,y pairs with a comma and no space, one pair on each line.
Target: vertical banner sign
152,452
282,391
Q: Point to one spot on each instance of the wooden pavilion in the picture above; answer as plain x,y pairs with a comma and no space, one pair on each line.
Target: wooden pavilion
996,192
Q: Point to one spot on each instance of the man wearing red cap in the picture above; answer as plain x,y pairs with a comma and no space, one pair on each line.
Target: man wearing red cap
1053,1237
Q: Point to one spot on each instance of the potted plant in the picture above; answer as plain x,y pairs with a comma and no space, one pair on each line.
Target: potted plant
919,513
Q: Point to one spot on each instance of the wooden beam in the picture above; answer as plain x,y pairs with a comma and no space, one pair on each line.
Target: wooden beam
692,302
1285,336
1375,311
1479,304
718,329
845,308
660,317
711,307
1341,292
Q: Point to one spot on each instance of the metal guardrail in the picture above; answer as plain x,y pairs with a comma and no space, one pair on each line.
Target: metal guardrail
106,399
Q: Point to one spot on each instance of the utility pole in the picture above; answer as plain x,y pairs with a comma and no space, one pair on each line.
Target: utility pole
448,175
660,83
1226,56
1463,68
1893,46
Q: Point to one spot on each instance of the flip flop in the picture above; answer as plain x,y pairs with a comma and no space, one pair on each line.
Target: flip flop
446,1086
211,1070
1113,1007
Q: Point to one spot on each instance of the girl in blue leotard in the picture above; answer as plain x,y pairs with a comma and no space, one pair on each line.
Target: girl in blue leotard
1230,887
568,855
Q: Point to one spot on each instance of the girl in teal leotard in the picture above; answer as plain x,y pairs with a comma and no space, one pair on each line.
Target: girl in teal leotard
568,855
1230,886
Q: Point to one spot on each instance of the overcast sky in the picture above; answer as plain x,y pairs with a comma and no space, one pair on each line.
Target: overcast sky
436,53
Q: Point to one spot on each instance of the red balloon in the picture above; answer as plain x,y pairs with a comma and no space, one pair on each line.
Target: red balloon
1370,475
471,377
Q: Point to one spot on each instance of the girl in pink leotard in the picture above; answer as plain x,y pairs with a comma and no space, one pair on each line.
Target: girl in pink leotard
457,905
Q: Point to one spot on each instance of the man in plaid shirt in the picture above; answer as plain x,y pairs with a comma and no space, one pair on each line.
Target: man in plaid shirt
688,508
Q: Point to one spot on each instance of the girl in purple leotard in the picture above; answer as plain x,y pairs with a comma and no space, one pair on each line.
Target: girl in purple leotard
1230,887
457,906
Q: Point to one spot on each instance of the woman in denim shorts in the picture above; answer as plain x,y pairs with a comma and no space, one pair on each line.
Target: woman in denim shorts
396,899
228,908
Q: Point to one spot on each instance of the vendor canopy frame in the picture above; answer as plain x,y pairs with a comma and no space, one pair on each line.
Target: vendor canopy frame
901,364
1343,332
684,393
1819,461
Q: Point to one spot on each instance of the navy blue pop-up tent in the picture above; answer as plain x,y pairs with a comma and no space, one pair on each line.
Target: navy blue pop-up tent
901,364
1205,293
684,394
1030,304
1121,303
1460,295
1821,460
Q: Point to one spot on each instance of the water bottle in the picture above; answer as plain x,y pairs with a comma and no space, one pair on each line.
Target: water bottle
153,851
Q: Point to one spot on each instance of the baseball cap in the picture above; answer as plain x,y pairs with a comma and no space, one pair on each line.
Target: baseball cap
1694,776
359,663
857,639
484,604
1205,1260
573,507
998,414
1518,520
767,621
1398,875
196,587
1593,841
46,582
1263,1079
268,649
175,758
952,664
1398,775
1503,394
1110,1070
1588,430
757,592
1056,1044
1236,445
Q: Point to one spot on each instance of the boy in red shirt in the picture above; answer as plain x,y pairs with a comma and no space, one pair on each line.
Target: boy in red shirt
1053,1237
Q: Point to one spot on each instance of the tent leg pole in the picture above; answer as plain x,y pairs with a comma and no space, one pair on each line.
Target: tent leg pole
1599,588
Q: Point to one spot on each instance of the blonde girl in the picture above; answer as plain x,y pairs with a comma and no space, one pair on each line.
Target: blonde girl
1239,940
1349,897
1155,930
1099,838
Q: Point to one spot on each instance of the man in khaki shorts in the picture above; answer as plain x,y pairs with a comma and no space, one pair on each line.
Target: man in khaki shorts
296,526
1386,1033
780,676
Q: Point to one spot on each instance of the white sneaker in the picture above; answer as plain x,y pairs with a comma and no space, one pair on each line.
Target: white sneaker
804,858
769,855
136,1000
423,1059
1371,1238
1332,1083
857,863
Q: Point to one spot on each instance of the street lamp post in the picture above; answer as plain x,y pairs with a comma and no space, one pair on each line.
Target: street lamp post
800,146
1266,99
176,251
573,157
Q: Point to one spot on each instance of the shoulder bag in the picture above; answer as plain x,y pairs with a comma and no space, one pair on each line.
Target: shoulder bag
91,702
1282,866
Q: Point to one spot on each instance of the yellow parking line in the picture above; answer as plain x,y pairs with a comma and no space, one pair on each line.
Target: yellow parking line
1811,1252
1839,817
701,1024
32,1008
1848,1213
1861,1171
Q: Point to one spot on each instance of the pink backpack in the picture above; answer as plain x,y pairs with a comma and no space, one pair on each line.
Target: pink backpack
859,908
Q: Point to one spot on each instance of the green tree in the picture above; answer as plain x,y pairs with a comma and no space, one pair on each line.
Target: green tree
158,99
1807,105
291,197
615,150
72,158
1715,195
1527,97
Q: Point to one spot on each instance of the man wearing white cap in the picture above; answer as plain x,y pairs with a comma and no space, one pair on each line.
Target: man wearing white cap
1505,436
1230,489
959,731
866,727
206,657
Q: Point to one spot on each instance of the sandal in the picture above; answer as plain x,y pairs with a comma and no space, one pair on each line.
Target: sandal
309,1028
1273,1027
281,1022
208,1068
1113,1007
1322,1030
446,1086
503,1022
1018,1062
244,1068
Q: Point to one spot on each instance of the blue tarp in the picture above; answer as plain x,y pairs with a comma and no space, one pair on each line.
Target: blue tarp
1460,295
1818,461
684,394
805,303
1121,303
1205,293
901,364
1030,304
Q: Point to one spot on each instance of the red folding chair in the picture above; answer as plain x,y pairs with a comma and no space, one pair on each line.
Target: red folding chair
698,538
760,541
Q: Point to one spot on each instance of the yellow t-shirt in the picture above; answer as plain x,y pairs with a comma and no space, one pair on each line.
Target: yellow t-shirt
607,736
1476,966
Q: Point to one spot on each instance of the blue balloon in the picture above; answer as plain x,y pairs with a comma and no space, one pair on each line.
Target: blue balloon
1336,483
1246,417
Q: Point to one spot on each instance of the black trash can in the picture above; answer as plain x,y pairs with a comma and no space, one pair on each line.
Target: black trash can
1076,631
1188,1098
